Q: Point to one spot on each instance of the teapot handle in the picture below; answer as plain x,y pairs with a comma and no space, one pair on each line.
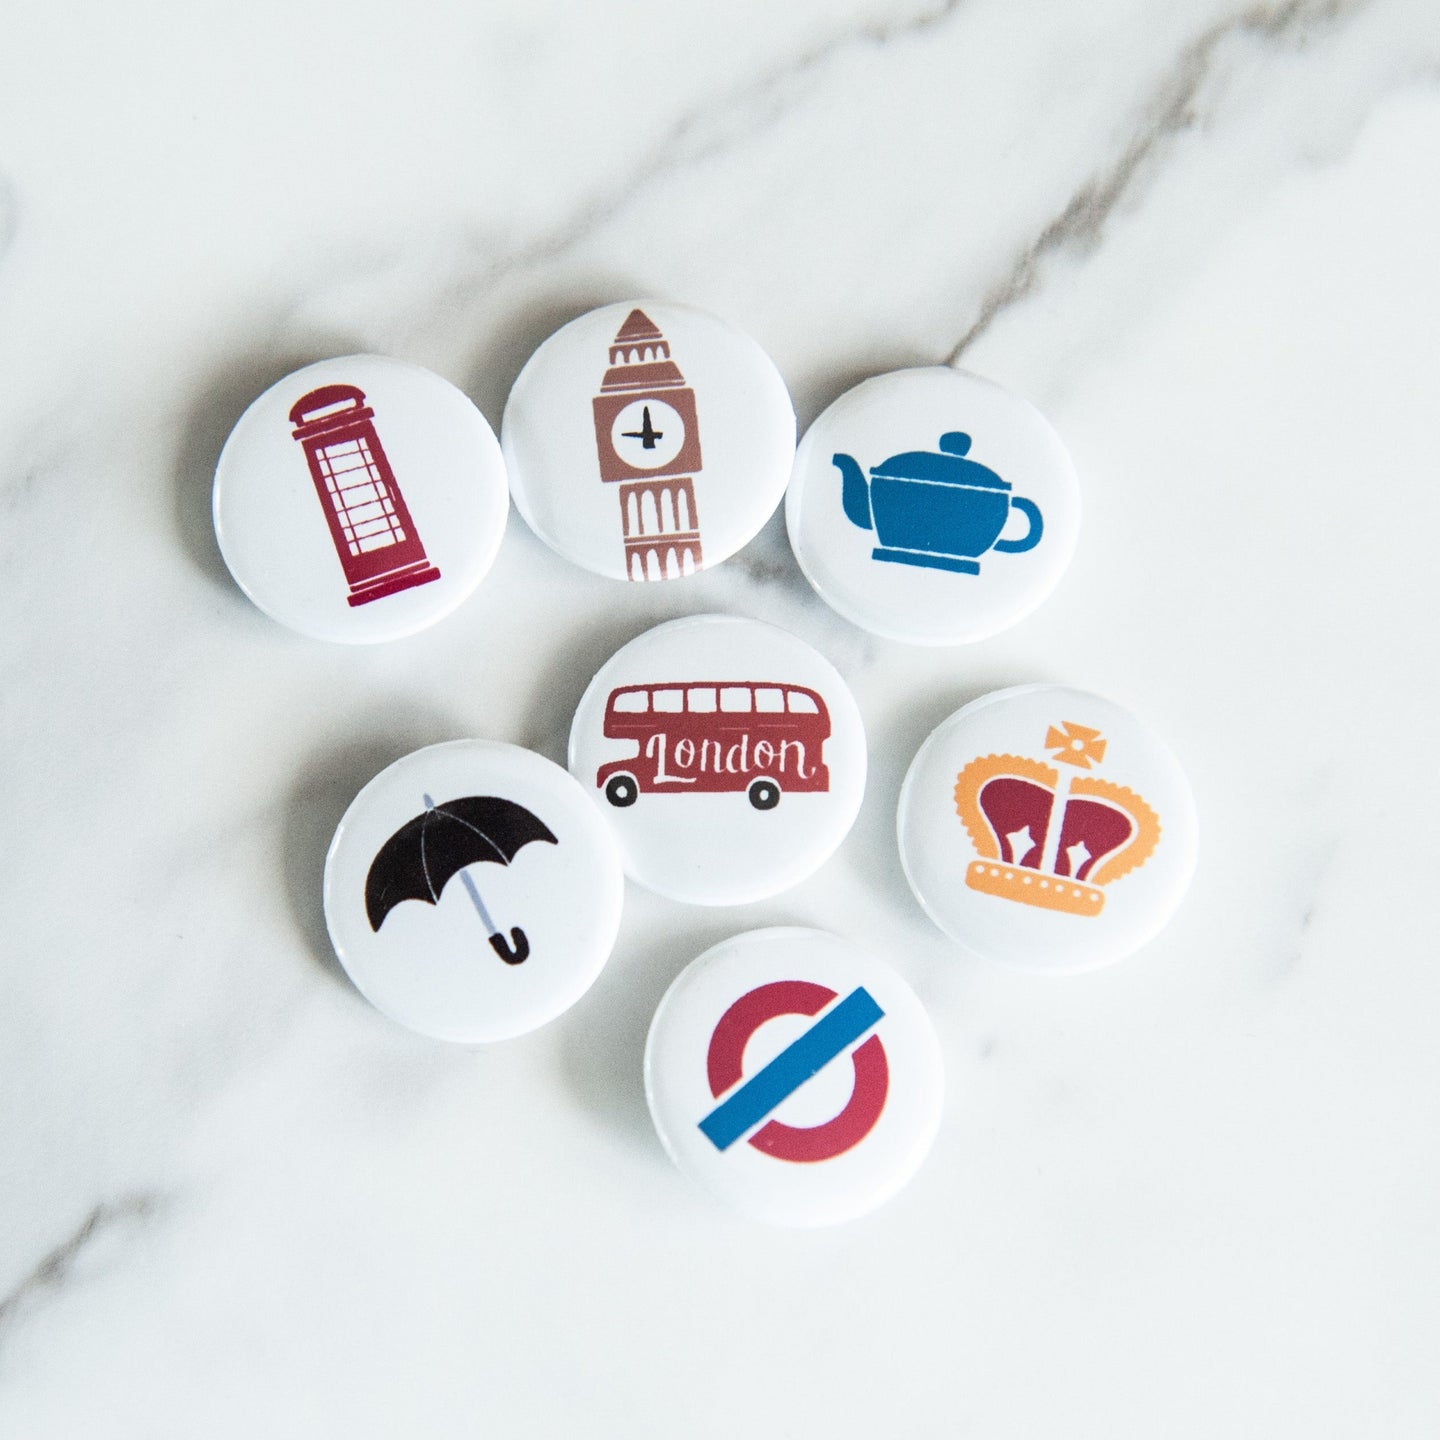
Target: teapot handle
1031,538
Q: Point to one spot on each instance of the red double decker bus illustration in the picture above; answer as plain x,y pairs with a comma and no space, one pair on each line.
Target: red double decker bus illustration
369,521
704,736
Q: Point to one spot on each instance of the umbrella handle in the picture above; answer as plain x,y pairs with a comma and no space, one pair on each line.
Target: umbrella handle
502,947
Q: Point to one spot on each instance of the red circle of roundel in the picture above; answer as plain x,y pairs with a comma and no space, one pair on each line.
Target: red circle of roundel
725,1068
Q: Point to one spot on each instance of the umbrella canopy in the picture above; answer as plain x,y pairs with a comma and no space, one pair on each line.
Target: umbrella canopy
426,853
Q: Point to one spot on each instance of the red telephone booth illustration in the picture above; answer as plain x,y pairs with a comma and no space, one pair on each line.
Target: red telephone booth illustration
369,521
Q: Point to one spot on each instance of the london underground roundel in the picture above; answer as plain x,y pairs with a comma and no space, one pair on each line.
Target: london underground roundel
795,1076
727,755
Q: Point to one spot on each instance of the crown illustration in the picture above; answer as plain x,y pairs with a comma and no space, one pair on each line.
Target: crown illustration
1051,838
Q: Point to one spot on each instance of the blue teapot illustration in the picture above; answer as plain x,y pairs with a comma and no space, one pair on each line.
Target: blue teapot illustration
940,511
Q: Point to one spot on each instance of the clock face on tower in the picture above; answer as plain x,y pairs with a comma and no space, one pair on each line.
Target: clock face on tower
643,435
647,434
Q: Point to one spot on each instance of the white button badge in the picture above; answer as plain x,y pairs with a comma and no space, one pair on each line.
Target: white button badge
794,1076
647,441
360,499
728,756
932,506
1047,828
472,892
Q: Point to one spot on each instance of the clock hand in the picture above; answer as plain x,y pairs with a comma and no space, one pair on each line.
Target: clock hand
647,435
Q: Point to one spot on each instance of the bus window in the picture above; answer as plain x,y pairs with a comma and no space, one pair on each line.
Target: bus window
735,698
701,699
631,702
770,700
670,702
802,704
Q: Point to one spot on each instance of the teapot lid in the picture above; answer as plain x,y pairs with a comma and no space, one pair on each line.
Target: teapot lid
947,468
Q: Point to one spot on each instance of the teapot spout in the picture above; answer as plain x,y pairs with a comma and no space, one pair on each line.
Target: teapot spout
855,491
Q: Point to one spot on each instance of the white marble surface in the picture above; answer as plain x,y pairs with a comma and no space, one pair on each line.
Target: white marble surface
1191,1196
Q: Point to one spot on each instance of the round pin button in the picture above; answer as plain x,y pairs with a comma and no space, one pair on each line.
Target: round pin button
932,506
471,891
360,499
794,1076
1047,828
728,756
647,441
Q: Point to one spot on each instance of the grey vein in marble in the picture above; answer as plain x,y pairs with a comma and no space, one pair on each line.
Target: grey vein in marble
53,1269
1176,108
1312,864
707,130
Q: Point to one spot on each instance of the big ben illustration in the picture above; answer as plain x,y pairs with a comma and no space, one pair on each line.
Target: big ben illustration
649,444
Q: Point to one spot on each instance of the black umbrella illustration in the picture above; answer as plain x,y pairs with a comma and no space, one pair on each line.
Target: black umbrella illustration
426,853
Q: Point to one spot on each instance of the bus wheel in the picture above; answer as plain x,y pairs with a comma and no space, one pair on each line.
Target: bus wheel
621,790
764,794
